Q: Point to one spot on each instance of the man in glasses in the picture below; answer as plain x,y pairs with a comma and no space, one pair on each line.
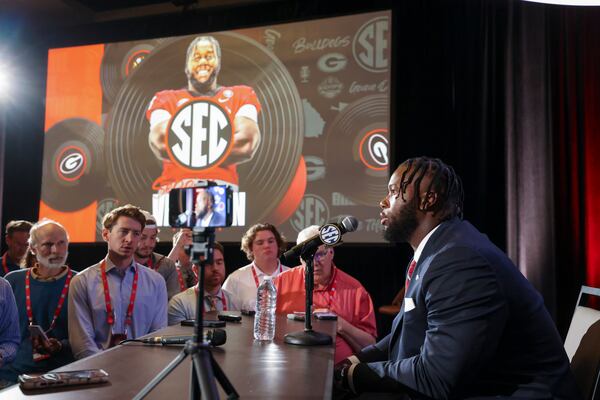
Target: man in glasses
335,291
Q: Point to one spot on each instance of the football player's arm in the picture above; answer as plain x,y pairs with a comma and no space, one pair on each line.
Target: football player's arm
246,137
158,116
156,139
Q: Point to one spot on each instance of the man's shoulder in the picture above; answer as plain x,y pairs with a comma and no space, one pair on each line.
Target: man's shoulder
291,273
236,90
89,271
165,262
347,279
241,271
172,93
149,273
4,283
182,296
15,276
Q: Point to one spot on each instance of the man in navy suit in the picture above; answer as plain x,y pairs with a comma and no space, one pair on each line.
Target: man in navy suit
470,326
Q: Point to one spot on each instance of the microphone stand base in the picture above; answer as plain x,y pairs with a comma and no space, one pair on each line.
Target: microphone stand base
308,338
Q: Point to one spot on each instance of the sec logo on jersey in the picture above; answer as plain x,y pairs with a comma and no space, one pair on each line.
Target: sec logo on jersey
200,135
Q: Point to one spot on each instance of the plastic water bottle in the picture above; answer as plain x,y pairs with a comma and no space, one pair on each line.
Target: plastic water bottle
266,302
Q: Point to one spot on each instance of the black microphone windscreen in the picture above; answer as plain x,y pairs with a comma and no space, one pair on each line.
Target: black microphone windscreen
218,337
349,223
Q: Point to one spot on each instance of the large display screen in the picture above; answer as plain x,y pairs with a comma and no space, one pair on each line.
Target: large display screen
293,117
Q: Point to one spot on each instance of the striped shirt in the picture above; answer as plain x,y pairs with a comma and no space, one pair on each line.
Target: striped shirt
10,337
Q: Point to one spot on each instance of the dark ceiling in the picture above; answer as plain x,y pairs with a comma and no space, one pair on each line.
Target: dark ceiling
40,14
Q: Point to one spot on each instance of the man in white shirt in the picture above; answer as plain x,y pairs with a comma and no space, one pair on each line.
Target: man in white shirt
263,244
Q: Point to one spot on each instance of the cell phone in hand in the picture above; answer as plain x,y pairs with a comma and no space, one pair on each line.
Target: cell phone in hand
67,378
38,333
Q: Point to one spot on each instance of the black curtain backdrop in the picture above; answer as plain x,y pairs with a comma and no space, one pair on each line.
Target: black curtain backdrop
493,88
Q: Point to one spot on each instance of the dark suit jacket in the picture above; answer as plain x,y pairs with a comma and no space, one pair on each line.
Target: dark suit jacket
478,328
217,219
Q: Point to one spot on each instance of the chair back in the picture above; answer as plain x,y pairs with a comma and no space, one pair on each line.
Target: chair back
582,344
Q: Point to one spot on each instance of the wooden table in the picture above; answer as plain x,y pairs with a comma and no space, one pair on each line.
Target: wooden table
266,370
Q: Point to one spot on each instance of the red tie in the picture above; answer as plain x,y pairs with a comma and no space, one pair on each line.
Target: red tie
411,269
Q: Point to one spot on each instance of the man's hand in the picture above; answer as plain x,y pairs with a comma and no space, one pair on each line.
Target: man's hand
341,386
182,238
50,346
157,140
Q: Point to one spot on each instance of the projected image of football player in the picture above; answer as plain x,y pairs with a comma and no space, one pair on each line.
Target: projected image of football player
204,130
205,210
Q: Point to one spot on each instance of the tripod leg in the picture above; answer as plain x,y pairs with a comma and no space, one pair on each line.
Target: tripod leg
195,392
222,379
204,374
161,375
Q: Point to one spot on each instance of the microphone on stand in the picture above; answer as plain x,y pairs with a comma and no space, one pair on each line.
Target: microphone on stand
330,234
214,337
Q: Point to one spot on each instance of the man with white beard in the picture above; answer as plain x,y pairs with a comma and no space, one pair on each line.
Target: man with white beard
41,295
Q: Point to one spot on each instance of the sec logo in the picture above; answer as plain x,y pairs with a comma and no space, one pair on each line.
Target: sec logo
330,234
200,135
312,210
371,45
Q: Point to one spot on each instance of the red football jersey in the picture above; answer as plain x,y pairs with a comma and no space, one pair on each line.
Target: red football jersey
231,99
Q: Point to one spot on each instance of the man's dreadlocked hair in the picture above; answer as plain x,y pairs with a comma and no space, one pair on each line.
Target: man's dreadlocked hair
444,182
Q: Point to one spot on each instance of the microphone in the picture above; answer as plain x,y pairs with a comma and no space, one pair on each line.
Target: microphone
214,337
330,234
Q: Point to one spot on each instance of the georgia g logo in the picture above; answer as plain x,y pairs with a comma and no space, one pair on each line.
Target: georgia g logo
199,136
330,234
374,149
71,163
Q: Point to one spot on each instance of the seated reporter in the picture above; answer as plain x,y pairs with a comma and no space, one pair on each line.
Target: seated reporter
145,255
16,239
334,291
183,305
9,327
41,294
117,298
182,239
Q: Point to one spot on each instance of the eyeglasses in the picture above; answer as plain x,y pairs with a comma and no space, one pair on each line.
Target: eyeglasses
319,255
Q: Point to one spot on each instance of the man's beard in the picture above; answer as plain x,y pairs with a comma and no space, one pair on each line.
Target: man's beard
144,254
200,87
45,261
402,226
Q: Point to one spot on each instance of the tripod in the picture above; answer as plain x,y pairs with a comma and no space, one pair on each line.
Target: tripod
308,337
204,367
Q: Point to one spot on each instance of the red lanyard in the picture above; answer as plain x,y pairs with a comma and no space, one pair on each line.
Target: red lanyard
256,276
61,299
182,286
6,270
150,263
110,315
223,299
